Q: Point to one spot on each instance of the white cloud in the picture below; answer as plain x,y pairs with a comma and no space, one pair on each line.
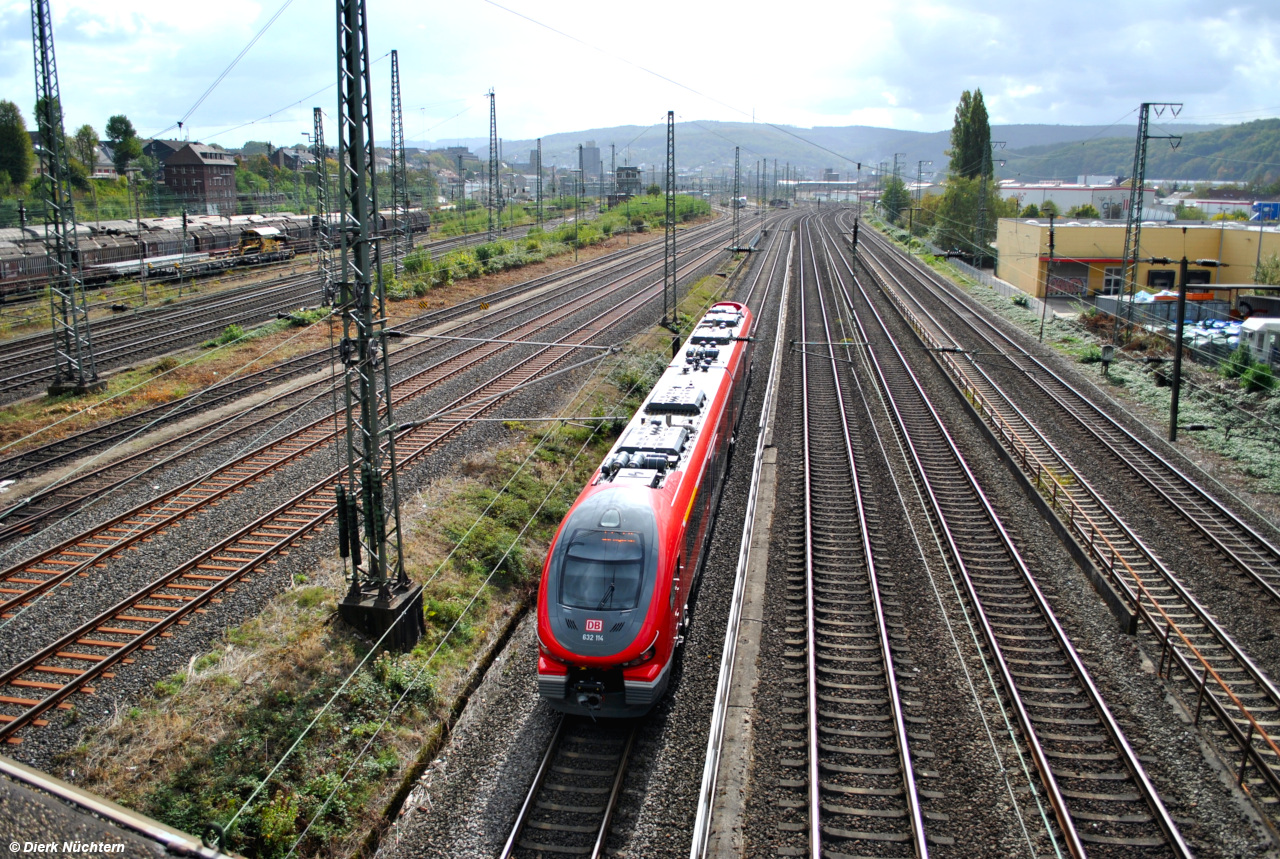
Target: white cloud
1088,62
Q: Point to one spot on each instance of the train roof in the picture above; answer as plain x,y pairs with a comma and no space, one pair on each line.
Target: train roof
661,436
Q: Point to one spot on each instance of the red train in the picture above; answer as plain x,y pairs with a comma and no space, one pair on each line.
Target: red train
615,590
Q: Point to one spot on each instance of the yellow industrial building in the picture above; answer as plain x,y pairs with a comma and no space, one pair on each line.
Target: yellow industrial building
1087,254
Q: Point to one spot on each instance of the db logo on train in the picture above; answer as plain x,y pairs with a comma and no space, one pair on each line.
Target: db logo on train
595,625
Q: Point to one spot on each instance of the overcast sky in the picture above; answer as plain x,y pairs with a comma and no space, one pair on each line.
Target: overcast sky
564,66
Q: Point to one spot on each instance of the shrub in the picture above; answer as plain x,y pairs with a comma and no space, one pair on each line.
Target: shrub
1091,355
230,334
1258,378
418,261
1019,299
303,318
1236,363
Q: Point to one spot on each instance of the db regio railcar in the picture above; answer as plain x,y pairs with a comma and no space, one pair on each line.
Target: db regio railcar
614,598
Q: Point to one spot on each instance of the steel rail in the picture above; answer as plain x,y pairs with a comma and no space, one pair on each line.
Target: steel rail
809,397
526,808
180,502
702,825
242,553
15,466
564,734
30,509
196,301
130,346
1243,545
1078,506
1048,465
958,469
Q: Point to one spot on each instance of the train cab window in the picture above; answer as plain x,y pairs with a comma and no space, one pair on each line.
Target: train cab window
603,570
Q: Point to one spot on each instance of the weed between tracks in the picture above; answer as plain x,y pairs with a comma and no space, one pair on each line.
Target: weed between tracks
203,740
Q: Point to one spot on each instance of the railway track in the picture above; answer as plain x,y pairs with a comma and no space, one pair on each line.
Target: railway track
1206,665
27,363
66,495
1251,552
75,660
1104,804
856,775
27,367
575,791
32,577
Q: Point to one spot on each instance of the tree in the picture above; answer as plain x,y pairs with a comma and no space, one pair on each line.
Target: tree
85,146
1085,210
16,153
1031,211
654,190
1048,207
970,138
1268,271
1183,212
125,145
894,199
957,218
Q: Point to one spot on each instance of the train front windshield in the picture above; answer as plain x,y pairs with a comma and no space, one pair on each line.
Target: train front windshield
603,570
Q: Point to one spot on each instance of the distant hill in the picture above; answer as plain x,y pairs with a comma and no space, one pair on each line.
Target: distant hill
1241,153
709,145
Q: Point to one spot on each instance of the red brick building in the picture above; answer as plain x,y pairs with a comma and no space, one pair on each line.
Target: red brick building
204,177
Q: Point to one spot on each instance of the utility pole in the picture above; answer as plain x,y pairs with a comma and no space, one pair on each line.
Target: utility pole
320,226
1133,223
669,246
76,372
495,202
381,598
1048,280
1176,380
613,170
539,181
135,186
399,174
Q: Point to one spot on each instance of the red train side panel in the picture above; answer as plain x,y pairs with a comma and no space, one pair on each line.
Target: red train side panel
615,588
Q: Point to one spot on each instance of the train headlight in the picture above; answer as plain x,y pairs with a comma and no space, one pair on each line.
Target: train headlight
647,656
542,649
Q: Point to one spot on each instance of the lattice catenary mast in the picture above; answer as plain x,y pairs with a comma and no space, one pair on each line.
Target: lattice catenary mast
73,347
539,174
320,221
401,235
669,247
495,186
737,167
381,596
1133,223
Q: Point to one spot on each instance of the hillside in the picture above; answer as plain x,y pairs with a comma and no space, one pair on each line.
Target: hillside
1241,153
709,145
